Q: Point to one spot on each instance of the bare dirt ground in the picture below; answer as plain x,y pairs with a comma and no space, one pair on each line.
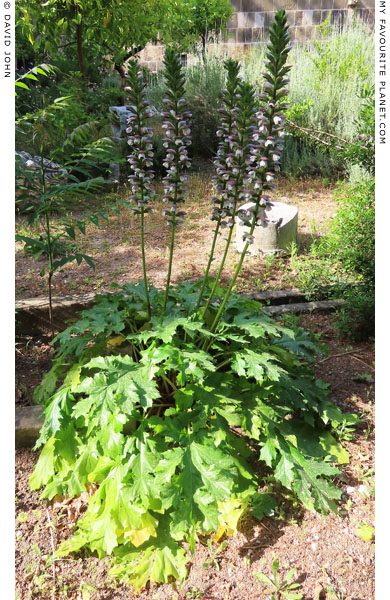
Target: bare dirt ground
332,560
115,247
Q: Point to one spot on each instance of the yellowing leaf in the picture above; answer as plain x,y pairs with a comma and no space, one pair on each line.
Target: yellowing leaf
334,448
72,378
230,513
139,536
366,532
116,341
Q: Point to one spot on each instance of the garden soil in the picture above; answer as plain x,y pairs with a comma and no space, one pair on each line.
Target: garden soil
116,251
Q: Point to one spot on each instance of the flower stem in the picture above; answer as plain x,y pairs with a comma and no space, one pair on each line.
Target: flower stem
173,226
220,267
211,258
144,261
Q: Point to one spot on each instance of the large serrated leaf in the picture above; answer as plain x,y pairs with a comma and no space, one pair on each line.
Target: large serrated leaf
156,563
230,512
119,382
311,484
44,468
57,415
259,365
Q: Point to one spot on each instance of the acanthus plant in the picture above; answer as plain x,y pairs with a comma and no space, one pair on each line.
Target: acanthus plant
161,417
177,140
140,158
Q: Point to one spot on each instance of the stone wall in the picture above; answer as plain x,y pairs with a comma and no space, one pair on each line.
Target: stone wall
253,17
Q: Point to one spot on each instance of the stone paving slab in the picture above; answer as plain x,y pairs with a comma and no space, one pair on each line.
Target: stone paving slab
303,307
32,315
28,422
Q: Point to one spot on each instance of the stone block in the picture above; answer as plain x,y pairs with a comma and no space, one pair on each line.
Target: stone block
231,35
327,5
315,4
307,19
153,53
246,20
275,235
310,33
242,18
268,19
324,15
33,313
236,4
28,422
244,36
259,19
152,65
366,15
248,36
303,4
233,22
298,17
317,17
291,17
338,17
286,5
339,4
256,5
292,34
258,35
300,34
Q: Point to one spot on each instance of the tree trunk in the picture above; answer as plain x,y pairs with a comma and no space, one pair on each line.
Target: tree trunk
121,69
80,52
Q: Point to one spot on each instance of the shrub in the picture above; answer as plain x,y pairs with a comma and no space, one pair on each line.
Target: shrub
352,239
352,232
342,264
40,194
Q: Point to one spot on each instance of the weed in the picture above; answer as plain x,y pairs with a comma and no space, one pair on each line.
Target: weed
214,559
285,589
22,517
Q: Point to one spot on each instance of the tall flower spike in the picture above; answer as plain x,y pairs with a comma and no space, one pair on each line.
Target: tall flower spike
141,156
232,179
176,141
140,142
267,138
224,159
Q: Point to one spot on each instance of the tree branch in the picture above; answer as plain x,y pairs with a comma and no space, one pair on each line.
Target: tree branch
310,133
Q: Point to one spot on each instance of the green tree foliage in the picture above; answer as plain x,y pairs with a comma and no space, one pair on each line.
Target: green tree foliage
115,29
209,18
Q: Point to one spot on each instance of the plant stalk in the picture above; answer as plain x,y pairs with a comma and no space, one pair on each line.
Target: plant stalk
49,245
172,244
144,260
211,258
